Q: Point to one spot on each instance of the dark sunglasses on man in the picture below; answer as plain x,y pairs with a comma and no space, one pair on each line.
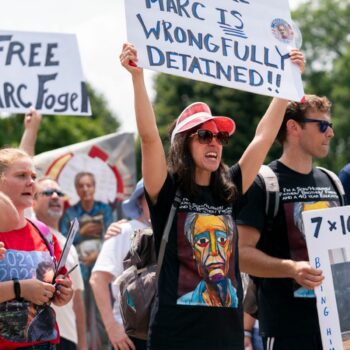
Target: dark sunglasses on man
50,192
206,136
323,124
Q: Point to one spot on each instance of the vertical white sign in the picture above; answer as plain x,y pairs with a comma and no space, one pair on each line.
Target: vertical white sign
327,234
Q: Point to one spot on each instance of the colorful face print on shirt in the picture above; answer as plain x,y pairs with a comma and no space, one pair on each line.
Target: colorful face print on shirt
296,235
210,239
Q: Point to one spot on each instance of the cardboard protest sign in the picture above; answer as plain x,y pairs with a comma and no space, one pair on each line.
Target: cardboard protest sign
110,158
42,70
327,234
241,44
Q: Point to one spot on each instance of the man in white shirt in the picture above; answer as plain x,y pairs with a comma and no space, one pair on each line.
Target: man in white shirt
48,207
109,266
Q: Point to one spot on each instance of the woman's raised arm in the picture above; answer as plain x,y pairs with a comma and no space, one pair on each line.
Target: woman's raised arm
154,168
266,132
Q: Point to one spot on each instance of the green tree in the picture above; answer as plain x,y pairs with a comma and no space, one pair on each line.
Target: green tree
58,131
325,28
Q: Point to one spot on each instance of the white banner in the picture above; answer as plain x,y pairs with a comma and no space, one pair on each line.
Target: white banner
328,240
42,70
110,158
242,44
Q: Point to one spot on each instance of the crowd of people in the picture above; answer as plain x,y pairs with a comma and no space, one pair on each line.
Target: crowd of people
219,231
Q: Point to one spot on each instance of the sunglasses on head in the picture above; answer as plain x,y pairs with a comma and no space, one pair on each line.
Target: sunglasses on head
206,136
323,124
49,193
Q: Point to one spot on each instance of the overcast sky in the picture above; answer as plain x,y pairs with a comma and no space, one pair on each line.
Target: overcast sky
100,28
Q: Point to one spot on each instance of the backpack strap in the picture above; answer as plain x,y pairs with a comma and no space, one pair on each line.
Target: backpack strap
336,183
272,200
270,180
45,234
165,237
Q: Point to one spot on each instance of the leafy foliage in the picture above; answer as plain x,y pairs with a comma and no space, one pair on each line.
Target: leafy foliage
325,28
58,131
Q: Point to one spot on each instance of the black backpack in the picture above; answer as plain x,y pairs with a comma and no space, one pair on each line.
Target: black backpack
137,283
139,280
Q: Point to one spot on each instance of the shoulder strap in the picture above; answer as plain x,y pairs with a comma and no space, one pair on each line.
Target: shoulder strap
45,234
269,178
174,206
336,183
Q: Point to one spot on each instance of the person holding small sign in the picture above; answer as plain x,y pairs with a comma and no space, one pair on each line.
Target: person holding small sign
48,204
26,319
199,300
274,248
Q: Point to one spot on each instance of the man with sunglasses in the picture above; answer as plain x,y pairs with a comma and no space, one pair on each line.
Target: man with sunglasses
274,249
48,208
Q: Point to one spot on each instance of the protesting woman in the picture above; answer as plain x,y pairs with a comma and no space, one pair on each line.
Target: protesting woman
199,301
26,290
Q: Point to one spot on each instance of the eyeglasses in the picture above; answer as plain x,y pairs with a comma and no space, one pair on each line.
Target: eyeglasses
49,193
323,124
206,136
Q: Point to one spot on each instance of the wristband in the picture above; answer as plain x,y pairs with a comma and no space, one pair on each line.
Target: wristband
17,288
248,334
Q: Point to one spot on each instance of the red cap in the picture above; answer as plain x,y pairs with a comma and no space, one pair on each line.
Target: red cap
198,113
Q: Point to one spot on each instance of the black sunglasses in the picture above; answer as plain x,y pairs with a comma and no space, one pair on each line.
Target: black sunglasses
323,124
206,136
49,193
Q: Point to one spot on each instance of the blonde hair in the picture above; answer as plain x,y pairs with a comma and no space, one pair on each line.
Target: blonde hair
8,156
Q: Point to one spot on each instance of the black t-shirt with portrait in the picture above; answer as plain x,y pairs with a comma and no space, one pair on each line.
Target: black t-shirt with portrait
285,308
199,304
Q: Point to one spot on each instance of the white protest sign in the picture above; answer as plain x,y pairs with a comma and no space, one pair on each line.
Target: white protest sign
42,70
327,234
242,44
